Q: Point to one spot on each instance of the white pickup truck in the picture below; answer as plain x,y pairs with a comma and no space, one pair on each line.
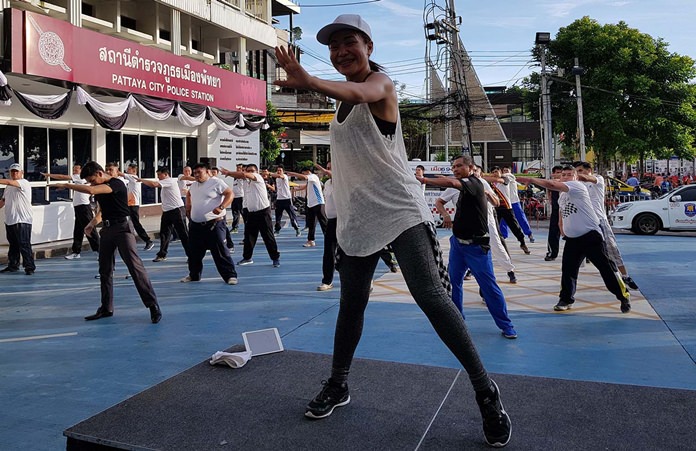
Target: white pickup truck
674,211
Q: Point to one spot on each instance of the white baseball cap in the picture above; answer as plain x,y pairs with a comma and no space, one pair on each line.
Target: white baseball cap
342,22
15,167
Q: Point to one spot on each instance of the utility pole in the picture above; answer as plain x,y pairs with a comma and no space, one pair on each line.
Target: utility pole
542,40
577,71
457,70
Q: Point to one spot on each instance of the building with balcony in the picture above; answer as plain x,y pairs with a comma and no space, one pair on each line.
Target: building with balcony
152,82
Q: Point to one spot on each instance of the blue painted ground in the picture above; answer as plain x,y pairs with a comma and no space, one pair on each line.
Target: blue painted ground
51,383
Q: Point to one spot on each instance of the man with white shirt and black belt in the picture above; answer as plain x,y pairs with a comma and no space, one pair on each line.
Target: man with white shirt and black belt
238,201
284,200
206,204
83,213
258,217
580,227
134,201
18,220
315,202
173,212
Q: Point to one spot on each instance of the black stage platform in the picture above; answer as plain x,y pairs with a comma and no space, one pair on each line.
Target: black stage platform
394,407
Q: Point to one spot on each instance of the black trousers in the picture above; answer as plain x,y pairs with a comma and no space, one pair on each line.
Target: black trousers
121,237
259,222
328,264
84,214
508,216
236,208
285,205
591,246
173,220
314,214
209,236
135,218
554,235
19,239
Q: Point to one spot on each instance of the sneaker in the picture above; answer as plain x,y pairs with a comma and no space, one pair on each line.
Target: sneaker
8,269
245,261
159,259
149,245
276,233
276,263
298,232
72,256
531,238
393,268
525,249
187,279
332,395
630,282
30,272
510,334
549,258
625,306
467,275
309,244
497,428
562,306
325,287
235,230
232,281
512,277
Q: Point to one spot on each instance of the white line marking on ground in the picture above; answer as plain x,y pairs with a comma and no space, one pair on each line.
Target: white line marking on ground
37,337
437,412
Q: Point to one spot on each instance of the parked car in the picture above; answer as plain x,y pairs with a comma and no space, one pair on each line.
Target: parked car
624,191
674,211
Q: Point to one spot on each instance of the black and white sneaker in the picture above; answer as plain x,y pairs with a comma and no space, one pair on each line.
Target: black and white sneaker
630,282
332,395
562,306
497,428
149,245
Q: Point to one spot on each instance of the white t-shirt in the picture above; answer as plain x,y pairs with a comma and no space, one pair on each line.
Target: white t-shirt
255,194
238,188
135,188
206,197
505,189
512,193
18,203
282,187
78,197
170,195
576,210
183,185
329,205
315,196
596,191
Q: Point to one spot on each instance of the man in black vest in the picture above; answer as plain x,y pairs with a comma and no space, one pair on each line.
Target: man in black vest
117,233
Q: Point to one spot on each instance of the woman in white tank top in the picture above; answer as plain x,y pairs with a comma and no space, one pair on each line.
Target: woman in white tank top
379,202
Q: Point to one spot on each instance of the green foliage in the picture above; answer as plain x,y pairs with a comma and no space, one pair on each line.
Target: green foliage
270,146
440,156
305,164
638,98
415,132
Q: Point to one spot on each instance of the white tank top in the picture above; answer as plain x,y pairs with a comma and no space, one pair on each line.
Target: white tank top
376,196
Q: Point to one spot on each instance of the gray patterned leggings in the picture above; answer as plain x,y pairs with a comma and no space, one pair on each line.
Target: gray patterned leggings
418,253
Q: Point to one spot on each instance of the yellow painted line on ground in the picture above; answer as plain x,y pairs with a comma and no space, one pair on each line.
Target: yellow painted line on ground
37,337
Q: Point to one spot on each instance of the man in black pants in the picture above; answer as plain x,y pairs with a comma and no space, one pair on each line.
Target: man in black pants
83,214
238,201
580,226
134,201
117,233
206,203
258,219
554,229
284,200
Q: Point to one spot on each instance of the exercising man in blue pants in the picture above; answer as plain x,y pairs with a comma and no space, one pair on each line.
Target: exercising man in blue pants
469,243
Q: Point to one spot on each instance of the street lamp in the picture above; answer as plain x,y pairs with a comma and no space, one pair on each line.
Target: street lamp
542,40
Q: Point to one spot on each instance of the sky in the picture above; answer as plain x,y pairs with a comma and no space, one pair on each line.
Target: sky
498,34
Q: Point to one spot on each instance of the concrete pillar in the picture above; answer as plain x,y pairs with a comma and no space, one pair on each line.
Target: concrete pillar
98,144
176,31
74,11
239,46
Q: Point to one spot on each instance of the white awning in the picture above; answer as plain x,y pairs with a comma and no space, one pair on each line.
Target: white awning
314,137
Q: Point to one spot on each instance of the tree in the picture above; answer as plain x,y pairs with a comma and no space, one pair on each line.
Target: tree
638,98
270,146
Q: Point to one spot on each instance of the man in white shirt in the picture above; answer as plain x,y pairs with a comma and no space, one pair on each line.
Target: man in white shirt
238,201
516,206
184,182
206,205
595,186
258,219
580,226
18,220
134,201
284,200
315,201
504,212
82,208
173,212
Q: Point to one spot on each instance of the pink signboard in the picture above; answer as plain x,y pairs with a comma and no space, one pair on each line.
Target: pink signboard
56,49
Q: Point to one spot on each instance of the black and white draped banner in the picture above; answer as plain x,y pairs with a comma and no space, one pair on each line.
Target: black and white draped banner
113,115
